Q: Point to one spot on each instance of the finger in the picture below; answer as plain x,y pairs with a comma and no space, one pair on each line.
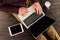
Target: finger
26,10
21,13
24,13
37,11
40,11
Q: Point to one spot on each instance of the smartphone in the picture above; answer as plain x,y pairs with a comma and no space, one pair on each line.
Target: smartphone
15,29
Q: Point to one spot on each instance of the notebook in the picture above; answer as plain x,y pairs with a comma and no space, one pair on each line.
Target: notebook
31,17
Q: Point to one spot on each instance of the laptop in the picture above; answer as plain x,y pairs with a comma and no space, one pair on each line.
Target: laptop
31,17
15,29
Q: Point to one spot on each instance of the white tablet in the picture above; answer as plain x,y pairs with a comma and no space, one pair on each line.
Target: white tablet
15,29
31,17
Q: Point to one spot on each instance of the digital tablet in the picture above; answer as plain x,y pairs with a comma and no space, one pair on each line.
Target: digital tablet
15,29
41,26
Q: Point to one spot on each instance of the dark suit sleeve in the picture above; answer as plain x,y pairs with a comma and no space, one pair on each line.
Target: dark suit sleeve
33,1
1,3
8,9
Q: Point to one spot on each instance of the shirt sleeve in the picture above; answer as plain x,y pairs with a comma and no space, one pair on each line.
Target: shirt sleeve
8,9
33,1
1,3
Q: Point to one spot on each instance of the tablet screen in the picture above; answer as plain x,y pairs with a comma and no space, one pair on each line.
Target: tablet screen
17,28
41,26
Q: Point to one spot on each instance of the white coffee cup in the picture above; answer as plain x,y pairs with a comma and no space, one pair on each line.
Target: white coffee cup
47,4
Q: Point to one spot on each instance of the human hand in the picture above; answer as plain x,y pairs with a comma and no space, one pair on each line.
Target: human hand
37,7
23,11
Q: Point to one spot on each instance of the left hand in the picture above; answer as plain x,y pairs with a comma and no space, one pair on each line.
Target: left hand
37,8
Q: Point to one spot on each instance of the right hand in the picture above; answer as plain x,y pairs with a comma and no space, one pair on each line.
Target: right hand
23,11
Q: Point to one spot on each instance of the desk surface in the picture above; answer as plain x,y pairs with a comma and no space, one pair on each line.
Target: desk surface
6,20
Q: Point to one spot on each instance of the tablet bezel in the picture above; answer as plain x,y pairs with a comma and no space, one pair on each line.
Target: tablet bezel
15,33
